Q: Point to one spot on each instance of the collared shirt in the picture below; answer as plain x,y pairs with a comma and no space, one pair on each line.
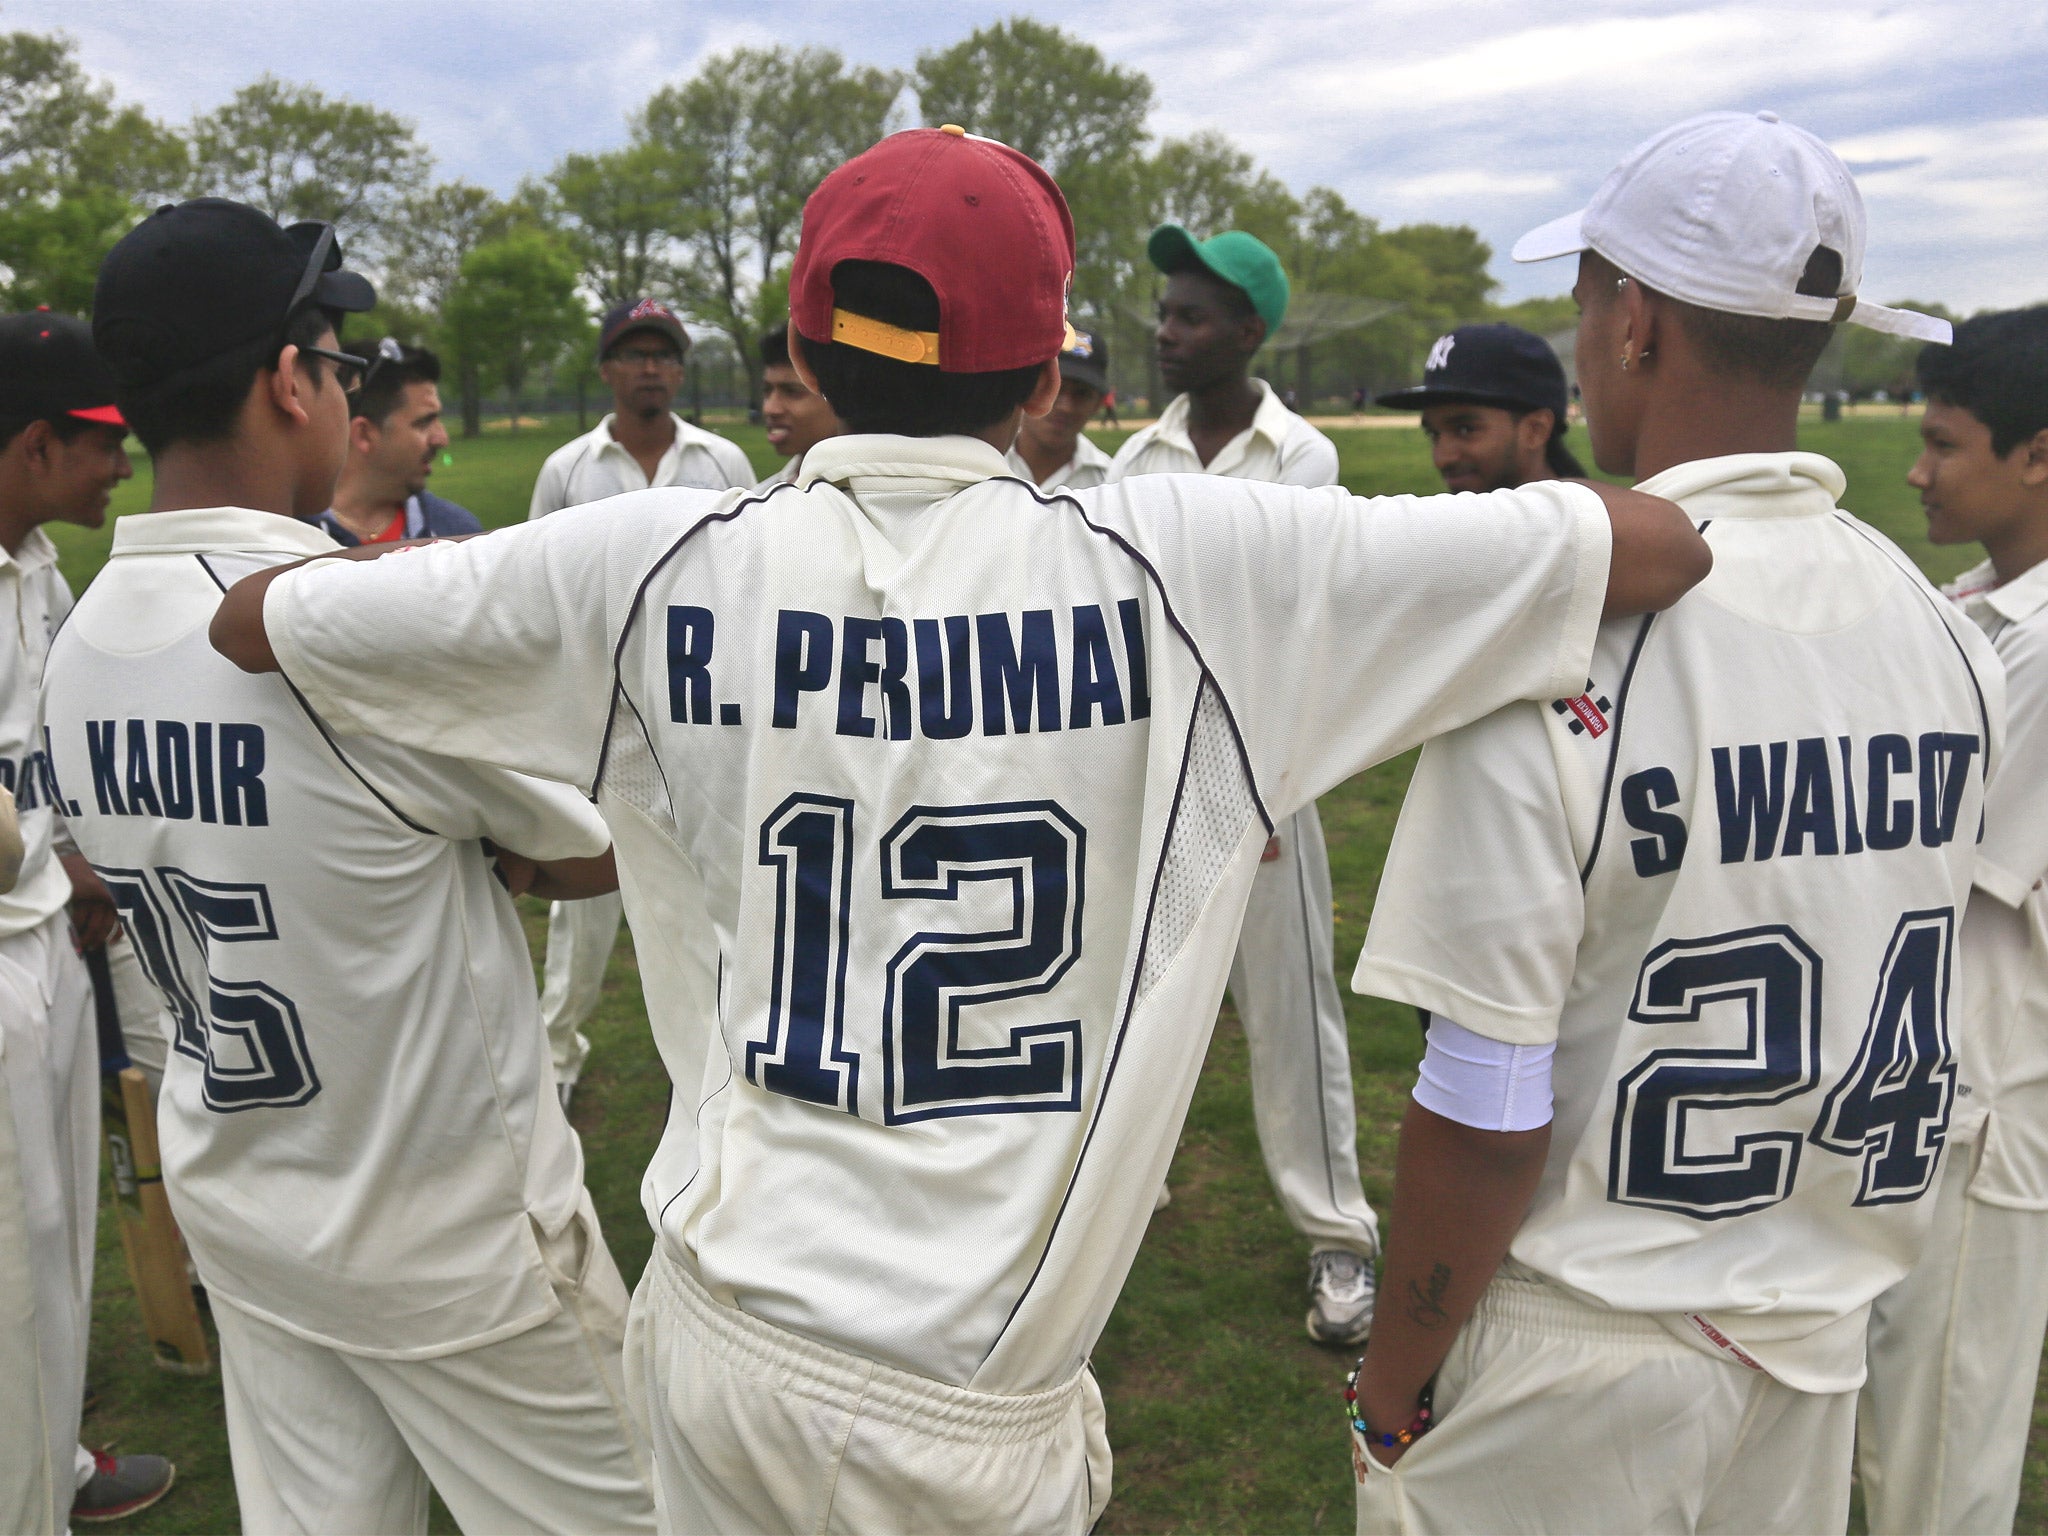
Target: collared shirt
1721,874
1089,467
1278,446
34,600
596,466
783,476
2003,1048
853,731
360,1130
427,516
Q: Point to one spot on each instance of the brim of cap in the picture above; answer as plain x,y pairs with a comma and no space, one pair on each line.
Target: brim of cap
349,292
106,415
1547,242
1172,249
1088,373
673,329
1420,398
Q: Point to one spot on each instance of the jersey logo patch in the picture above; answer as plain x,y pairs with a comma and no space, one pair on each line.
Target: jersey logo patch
1588,714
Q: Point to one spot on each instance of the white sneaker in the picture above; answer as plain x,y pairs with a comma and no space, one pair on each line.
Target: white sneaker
1341,1289
1163,1199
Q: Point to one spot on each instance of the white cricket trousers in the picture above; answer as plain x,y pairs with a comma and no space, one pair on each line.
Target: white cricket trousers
580,939
1954,1349
531,1433
1554,1416
1284,982
49,1189
756,1430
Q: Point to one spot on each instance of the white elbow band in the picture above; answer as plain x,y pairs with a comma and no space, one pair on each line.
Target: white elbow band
1486,1084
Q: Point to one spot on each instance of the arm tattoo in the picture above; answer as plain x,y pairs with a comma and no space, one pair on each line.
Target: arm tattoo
1426,1303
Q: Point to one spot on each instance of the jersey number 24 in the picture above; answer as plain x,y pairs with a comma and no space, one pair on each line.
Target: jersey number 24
1890,1109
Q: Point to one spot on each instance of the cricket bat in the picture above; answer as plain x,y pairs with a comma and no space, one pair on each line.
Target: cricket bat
149,1233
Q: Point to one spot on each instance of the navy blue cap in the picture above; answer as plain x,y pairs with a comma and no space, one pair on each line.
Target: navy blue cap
199,279
1087,361
1500,365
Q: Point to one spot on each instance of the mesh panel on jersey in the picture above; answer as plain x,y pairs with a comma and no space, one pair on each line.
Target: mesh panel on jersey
630,771
1215,804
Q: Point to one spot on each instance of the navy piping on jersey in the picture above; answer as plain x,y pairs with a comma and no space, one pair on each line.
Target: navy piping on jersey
1152,898
697,1117
1628,676
633,617
1130,1001
1919,584
321,726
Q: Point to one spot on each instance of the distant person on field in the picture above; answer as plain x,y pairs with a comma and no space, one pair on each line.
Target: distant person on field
61,457
1224,296
1493,403
641,444
395,433
797,417
1051,451
1955,1347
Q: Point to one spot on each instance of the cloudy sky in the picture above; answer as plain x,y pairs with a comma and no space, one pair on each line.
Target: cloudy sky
1485,112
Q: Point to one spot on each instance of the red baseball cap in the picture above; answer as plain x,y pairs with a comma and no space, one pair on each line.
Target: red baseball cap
983,224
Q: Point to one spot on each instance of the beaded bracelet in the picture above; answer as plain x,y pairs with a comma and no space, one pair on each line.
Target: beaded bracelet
1418,1426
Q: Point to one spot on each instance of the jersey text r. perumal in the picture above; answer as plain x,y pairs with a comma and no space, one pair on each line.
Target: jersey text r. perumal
178,770
1810,796
893,679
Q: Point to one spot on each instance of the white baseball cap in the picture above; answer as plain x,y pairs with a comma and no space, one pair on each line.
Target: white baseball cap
1724,210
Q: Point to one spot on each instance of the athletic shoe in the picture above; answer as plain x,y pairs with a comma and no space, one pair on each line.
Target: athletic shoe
1163,1199
1340,1297
120,1485
563,1091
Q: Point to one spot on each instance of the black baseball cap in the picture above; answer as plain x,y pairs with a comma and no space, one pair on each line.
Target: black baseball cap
1087,362
1500,365
196,280
48,368
629,315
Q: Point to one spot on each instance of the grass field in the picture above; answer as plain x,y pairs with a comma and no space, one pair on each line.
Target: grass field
1223,1416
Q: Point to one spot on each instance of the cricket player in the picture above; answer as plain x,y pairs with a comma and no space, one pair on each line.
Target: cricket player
395,432
359,1133
61,456
1687,933
641,347
796,416
1052,451
1955,1347
937,800
1493,403
1223,298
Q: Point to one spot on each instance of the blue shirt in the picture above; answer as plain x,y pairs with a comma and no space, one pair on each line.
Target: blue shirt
427,516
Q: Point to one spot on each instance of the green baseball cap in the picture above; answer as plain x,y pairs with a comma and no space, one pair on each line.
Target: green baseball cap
1242,260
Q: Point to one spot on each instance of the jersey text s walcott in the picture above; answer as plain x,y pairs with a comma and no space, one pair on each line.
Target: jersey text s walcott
1813,796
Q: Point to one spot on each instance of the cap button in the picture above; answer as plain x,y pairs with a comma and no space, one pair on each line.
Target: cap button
1767,117
954,129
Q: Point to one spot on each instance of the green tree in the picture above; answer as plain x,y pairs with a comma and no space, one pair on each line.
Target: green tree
430,234
743,143
76,170
298,153
513,311
619,211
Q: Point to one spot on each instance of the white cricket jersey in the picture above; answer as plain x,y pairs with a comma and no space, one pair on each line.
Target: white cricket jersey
1088,468
1278,446
33,602
595,466
1724,875
360,1128
2004,1051
937,802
